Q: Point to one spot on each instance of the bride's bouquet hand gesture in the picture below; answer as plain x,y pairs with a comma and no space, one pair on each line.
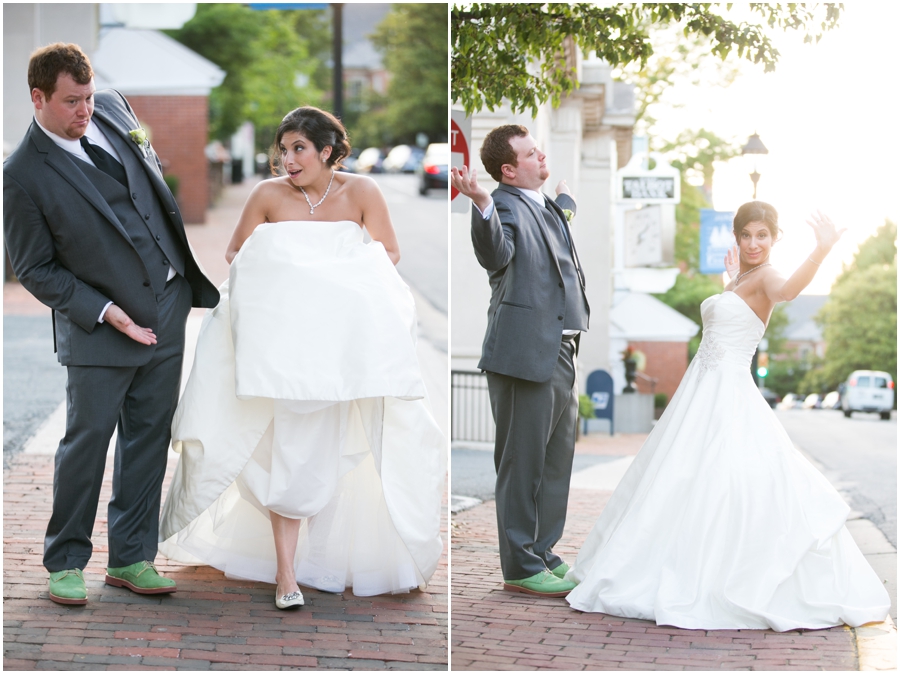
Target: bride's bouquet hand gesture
733,261
827,233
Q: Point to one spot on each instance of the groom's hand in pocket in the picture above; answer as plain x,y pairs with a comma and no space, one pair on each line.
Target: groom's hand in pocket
123,323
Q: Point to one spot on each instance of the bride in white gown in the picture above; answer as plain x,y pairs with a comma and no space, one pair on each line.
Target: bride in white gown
308,450
720,523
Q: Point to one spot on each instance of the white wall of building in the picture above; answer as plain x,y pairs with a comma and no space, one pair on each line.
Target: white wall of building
26,27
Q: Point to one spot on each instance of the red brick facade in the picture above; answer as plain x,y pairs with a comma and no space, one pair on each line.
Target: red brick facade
666,361
178,128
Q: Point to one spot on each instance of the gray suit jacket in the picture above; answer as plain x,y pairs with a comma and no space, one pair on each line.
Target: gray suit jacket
71,252
528,298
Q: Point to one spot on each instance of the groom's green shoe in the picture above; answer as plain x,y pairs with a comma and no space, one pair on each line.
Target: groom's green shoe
561,570
543,584
67,587
141,577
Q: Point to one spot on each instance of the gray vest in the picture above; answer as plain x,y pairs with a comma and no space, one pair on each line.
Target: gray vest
140,212
576,317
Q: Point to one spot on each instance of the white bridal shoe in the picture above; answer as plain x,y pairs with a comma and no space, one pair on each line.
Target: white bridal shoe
289,600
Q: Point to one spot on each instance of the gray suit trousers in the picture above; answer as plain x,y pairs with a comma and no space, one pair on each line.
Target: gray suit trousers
141,401
533,453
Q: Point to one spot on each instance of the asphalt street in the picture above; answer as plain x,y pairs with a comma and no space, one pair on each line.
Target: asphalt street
422,227
34,383
858,455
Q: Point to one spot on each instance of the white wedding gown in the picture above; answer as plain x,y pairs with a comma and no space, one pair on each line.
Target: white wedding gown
306,399
720,523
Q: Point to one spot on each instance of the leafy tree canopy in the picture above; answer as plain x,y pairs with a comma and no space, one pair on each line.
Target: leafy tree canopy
512,50
267,63
859,320
413,39
859,323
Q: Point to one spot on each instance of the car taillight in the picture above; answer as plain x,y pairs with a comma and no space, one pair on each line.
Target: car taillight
890,384
432,169
852,382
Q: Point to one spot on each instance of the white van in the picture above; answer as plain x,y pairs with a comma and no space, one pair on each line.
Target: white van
868,391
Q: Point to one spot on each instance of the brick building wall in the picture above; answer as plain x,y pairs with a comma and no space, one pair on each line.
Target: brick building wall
178,126
666,361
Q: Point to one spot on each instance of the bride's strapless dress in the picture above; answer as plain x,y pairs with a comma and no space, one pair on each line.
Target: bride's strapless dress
720,523
306,399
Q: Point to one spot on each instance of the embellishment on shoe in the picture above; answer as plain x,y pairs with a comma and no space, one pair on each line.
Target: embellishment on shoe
709,354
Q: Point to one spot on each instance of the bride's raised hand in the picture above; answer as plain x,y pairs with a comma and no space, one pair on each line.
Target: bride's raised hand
732,261
827,233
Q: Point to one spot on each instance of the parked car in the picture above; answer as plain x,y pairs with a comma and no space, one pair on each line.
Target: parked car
370,160
831,401
868,391
770,396
403,159
812,402
790,402
434,169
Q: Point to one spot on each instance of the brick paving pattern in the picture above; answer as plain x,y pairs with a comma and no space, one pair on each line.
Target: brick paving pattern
210,623
496,630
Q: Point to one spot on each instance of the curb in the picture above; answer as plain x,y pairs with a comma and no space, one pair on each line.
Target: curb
876,645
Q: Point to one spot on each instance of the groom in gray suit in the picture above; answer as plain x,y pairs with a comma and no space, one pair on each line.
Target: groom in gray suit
94,233
538,310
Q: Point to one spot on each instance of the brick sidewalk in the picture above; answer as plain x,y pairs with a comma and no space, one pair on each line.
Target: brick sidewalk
496,630
210,623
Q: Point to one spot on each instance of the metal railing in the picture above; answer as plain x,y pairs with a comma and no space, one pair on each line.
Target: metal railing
470,407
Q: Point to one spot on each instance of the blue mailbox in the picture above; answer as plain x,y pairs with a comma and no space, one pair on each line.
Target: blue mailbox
600,390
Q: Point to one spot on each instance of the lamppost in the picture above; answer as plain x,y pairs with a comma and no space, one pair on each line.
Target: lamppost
756,149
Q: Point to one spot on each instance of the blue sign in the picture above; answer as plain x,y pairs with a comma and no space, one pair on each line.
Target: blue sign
289,5
716,238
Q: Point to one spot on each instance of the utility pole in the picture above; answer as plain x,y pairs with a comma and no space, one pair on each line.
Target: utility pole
337,48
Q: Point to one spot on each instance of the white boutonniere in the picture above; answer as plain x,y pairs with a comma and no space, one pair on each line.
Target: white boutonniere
139,136
570,215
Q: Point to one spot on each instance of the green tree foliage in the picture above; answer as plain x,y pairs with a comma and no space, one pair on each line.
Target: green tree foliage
413,39
686,296
878,250
788,375
267,65
695,152
515,50
859,320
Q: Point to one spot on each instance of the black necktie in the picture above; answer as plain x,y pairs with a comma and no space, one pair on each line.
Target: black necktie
104,161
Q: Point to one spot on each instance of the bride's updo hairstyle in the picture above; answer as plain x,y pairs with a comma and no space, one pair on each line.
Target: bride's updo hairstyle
320,127
756,211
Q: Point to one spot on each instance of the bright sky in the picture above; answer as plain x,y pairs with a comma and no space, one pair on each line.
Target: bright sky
829,118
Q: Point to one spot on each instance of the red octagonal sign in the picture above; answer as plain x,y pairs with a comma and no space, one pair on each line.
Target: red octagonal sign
458,145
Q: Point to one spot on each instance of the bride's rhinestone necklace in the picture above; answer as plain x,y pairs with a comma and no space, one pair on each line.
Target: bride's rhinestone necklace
312,209
739,276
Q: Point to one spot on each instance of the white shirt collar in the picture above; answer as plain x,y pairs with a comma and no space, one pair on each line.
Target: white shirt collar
534,195
93,133
67,144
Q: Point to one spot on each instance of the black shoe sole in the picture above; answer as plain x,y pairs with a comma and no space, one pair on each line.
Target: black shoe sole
118,582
